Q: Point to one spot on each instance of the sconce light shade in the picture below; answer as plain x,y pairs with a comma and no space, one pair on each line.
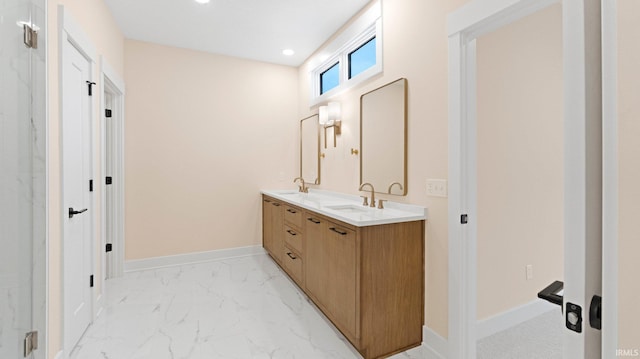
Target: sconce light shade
330,114
323,113
334,112
329,117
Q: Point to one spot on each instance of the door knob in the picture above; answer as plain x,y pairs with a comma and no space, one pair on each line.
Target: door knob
73,212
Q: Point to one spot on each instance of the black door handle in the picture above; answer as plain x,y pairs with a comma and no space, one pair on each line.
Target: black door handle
73,212
550,293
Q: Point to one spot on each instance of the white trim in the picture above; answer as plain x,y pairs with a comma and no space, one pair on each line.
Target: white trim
76,35
610,178
112,83
435,345
367,26
464,25
60,355
480,17
358,26
462,238
191,258
47,192
114,77
513,317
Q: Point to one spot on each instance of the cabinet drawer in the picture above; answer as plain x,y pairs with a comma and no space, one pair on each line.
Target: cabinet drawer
293,215
293,265
293,238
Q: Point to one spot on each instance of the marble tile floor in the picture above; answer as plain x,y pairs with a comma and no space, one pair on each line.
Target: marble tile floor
243,307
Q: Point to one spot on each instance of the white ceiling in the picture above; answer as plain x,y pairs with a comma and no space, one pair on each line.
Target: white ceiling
251,29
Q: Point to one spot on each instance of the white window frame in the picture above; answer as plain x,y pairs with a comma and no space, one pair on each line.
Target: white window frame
341,56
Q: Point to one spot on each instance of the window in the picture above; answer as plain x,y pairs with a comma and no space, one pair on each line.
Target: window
362,58
353,57
330,78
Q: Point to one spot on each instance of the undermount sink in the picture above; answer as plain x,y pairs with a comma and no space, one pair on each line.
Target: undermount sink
348,208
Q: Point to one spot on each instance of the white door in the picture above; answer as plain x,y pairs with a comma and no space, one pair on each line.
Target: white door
76,167
583,176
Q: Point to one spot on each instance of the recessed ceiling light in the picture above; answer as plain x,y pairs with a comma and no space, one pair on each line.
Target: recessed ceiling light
202,1
288,52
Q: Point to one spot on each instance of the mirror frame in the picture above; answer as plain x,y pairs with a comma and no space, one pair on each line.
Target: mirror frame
317,116
405,123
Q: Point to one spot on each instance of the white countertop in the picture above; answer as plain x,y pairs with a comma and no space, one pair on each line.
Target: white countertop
349,208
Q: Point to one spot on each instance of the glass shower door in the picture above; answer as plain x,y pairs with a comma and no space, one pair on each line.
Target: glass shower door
22,194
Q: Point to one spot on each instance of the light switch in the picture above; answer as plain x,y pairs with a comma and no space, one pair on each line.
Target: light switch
437,187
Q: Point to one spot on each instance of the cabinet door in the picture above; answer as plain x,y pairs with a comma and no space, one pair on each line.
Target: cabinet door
341,272
277,230
272,228
316,258
267,226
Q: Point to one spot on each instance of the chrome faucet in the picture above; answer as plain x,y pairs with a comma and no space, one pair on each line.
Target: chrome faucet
373,196
302,188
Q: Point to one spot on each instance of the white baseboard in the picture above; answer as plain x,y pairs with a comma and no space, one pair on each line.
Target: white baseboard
190,258
60,355
513,317
436,347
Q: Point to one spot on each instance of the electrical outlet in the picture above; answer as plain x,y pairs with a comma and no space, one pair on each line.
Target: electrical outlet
437,187
529,269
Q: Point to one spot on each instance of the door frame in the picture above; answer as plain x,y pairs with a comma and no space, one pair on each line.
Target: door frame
610,176
113,84
464,26
70,31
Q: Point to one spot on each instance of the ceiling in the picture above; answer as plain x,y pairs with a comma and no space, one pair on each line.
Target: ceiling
251,29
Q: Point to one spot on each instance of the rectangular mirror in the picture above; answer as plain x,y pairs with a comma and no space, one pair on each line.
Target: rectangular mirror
310,149
383,138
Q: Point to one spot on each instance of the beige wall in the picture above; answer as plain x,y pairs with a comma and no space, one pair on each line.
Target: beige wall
415,47
204,133
520,161
96,22
629,191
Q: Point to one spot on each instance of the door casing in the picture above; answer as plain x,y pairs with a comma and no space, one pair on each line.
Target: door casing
610,172
464,26
114,85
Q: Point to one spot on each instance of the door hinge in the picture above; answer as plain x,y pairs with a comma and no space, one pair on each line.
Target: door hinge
107,113
91,281
109,247
464,219
109,180
90,84
30,342
90,185
30,36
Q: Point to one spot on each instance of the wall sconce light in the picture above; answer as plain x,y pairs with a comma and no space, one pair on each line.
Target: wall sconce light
330,118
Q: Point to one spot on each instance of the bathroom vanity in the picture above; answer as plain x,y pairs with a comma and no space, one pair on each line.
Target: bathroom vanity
362,266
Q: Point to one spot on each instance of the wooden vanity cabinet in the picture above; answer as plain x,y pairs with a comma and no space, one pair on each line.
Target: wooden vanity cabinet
369,281
272,222
330,273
